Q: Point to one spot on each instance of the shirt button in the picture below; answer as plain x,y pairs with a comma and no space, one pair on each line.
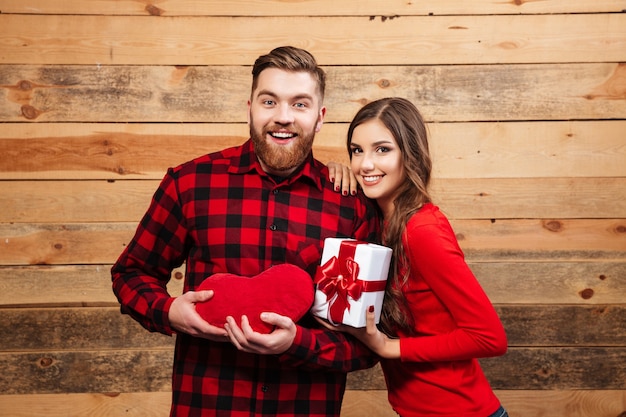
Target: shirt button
275,191
273,227
264,388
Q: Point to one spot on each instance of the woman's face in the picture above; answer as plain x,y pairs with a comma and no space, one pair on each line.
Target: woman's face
377,163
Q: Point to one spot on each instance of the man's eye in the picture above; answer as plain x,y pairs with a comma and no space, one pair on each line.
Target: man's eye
300,105
268,102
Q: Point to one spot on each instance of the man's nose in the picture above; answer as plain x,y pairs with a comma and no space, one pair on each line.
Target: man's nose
284,114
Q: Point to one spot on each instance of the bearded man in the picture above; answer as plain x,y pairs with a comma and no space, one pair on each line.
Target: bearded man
241,211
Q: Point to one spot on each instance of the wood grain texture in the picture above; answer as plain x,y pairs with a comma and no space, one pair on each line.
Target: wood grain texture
75,371
83,151
218,94
471,198
307,7
487,39
357,403
526,326
505,282
481,240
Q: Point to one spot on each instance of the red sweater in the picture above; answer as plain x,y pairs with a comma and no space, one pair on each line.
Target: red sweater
438,373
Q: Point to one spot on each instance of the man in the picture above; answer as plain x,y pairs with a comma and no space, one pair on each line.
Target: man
241,211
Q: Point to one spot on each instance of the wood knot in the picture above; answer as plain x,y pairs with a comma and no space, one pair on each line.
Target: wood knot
58,246
384,83
586,294
24,85
178,275
460,236
30,112
553,225
153,10
45,362
620,228
602,277
599,311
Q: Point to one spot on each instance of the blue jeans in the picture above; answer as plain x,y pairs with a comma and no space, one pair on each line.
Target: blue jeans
500,412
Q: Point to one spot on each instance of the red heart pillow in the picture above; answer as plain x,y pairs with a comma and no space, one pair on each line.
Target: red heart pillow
284,289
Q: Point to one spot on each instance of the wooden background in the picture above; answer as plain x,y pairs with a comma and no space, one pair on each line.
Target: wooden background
526,103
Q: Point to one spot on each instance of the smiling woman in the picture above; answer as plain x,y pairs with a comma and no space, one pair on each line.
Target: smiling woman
436,318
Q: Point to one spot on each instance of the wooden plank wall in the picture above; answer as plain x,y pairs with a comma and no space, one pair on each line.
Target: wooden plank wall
526,103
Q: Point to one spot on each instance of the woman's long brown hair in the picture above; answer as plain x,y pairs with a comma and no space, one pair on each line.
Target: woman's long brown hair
407,126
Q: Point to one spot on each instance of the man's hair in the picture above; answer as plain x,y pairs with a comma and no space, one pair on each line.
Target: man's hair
290,58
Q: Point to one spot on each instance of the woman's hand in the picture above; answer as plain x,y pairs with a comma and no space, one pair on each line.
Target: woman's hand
370,336
343,178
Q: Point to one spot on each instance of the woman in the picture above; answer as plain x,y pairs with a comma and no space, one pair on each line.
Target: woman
436,319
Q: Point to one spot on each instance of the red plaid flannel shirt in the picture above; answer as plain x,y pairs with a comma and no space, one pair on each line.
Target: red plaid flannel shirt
222,213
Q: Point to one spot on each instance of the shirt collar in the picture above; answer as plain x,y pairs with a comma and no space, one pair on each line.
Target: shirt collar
247,161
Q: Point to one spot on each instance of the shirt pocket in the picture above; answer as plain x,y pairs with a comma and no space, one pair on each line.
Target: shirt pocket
307,257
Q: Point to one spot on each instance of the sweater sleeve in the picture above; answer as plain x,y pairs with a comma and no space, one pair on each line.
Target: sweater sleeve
454,316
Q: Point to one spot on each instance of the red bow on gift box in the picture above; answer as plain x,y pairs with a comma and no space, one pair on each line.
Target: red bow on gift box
338,279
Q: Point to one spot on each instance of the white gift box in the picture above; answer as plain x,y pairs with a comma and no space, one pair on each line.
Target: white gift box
351,277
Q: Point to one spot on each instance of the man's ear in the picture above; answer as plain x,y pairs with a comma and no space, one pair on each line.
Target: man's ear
248,114
320,119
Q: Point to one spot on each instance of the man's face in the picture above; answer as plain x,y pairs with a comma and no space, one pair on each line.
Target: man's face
284,113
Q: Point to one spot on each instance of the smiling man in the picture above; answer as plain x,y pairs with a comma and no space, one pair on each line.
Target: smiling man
241,211
285,112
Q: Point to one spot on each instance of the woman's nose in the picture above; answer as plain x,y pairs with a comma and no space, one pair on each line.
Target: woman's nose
367,163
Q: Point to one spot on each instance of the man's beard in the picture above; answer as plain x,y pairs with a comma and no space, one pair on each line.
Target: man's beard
281,158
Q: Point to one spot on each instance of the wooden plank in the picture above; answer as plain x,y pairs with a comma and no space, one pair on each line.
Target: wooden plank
95,371
488,39
470,198
570,403
65,286
63,329
111,404
482,240
460,150
356,403
535,283
150,370
558,368
564,325
218,94
552,282
526,326
306,8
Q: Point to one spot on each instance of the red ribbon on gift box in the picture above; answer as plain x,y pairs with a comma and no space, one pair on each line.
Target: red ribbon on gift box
337,278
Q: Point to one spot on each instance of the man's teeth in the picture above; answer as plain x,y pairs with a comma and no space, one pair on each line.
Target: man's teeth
282,135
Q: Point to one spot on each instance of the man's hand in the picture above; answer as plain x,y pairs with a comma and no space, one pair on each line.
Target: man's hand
247,340
184,317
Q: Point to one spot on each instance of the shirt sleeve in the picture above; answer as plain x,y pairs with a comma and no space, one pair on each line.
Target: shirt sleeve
476,330
141,274
321,349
